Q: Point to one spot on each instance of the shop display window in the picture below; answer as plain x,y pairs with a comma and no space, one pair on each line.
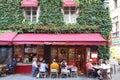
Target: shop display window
5,54
40,51
80,59
30,52
71,54
18,52
53,53
62,54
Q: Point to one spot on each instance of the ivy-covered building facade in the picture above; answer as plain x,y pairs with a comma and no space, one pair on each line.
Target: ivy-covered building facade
71,30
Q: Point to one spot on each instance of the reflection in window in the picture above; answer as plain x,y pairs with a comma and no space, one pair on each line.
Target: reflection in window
53,53
62,54
4,55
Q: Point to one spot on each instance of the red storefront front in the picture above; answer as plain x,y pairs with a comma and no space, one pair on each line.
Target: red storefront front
74,48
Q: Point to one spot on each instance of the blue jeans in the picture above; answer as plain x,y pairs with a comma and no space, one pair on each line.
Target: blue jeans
33,71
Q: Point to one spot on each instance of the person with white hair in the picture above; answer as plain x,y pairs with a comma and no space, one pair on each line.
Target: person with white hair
34,66
90,69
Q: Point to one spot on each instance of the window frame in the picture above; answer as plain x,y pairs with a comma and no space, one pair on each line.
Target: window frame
115,3
70,15
116,26
31,13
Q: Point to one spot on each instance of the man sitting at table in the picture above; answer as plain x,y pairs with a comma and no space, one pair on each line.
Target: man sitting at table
102,70
90,68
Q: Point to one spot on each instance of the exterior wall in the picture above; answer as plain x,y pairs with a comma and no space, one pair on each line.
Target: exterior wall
114,12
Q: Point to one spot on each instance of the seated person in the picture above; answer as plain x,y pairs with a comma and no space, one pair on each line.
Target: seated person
90,68
102,70
64,68
54,65
63,64
42,69
12,65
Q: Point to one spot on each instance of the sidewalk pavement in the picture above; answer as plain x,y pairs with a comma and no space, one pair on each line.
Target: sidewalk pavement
29,77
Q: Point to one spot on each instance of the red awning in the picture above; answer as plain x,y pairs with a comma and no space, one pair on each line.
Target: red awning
68,3
60,39
7,37
29,3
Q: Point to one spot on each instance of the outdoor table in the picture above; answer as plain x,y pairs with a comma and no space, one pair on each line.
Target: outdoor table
97,67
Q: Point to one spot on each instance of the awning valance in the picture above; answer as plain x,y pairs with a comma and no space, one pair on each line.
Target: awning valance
29,3
60,39
68,3
7,37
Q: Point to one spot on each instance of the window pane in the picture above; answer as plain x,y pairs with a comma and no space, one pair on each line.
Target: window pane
34,8
66,12
72,8
34,18
28,18
34,12
66,8
72,12
27,8
28,12
66,18
73,18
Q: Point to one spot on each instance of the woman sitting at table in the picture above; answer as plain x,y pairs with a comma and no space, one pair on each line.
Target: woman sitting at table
63,64
90,68
102,70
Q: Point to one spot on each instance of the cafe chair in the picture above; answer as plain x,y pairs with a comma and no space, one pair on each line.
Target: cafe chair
74,72
42,73
109,75
64,72
89,74
104,75
53,73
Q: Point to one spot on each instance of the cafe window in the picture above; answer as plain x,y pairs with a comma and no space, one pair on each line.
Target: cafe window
40,51
53,53
5,54
18,52
30,52
62,54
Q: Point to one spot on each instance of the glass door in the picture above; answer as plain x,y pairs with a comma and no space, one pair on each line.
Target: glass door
71,56
80,59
